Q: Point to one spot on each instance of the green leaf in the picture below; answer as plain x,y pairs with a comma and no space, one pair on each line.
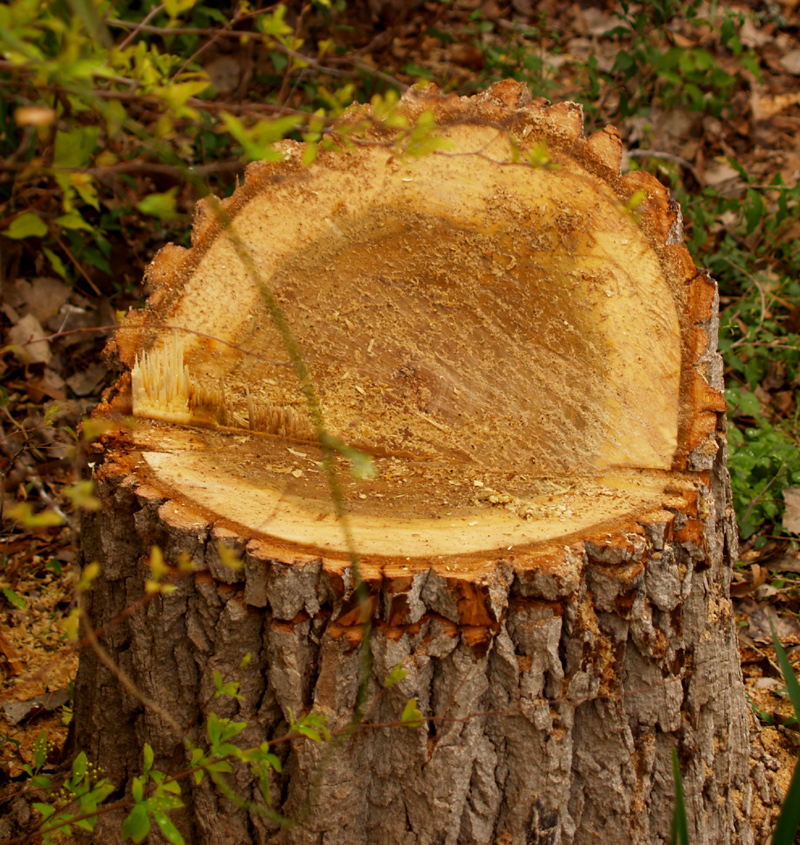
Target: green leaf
168,828
397,674
177,7
228,749
28,225
148,757
73,220
82,495
230,689
102,790
88,12
92,429
40,749
137,825
228,557
75,147
23,512
412,715
162,206
311,733
55,262
83,184
792,686
309,153
176,95
14,599
45,809
789,819
258,139
274,24
214,729
679,833
79,766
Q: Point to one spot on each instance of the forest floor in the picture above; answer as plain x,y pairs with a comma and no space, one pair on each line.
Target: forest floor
45,399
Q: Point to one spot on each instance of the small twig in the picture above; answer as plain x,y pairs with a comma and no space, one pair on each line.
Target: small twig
667,157
755,282
212,38
138,28
234,166
79,268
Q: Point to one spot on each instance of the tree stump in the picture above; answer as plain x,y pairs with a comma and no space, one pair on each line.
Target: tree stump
518,337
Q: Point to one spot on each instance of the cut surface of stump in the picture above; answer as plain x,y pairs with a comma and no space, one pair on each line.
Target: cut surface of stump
518,338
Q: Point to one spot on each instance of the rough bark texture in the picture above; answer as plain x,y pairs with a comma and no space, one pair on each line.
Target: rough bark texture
568,683
560,676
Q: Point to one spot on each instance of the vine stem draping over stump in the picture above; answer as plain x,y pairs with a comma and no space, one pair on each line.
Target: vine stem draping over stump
518,337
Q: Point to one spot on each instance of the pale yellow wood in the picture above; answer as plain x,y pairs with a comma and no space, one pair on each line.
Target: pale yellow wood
473,317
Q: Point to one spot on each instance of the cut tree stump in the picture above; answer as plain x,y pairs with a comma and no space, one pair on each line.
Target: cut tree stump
518,337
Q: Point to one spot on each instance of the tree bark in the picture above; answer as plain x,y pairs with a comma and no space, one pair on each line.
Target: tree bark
530,357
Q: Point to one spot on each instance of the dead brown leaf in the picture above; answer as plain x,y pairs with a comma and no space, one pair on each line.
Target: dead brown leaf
791,516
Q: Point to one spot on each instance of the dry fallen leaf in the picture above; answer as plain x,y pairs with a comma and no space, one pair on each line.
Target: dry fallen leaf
28,335
766,107
18,711
791,516
787,563
719,173
85,382
791,62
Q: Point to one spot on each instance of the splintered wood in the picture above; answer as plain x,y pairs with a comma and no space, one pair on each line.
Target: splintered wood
517,337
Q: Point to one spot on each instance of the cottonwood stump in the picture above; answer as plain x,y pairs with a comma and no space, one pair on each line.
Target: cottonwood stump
518,337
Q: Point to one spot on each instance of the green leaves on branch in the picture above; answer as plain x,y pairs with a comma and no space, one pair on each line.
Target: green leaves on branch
75,147
313,726
258,141
422,138
230,689
395,676
175,8
412,715
28,225
154,795
23,512
84,791
163,206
